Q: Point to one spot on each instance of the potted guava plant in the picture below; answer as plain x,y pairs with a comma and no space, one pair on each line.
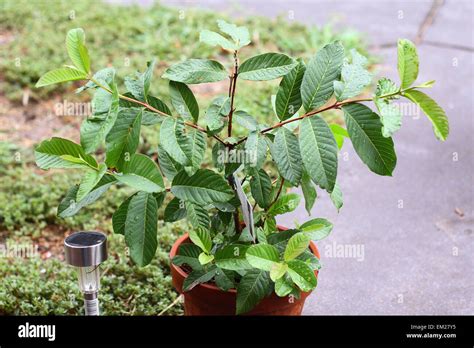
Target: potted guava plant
234,259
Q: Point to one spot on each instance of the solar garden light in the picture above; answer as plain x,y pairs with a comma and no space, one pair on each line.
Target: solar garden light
86,251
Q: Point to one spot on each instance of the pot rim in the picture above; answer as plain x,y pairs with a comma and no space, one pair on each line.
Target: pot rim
184,237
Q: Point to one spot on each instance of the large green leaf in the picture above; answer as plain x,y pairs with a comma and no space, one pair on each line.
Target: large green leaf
278,270
240,35
197,216
316,229
245,120
197,147
175,210
202,238
354,77
60,75
286,154
319,151
142,174
122,140
62,153
139,85
261,188
215,39
262,256
309,191
322,70
407,62
433,111
90,180
224,279
256,150
296,245
120,216
76,49
69,205
365,131
267,66
183,100
216,114
141,228
95,129
253,287
204,187
284,204
232,257
302,275
168,165
288,98
194,71
174,140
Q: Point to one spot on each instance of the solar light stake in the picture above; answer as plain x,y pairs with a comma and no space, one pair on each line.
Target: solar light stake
86,251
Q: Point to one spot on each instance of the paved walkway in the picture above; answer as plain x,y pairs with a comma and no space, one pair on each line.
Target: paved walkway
417,250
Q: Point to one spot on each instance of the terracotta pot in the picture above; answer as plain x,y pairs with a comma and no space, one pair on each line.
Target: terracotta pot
208,299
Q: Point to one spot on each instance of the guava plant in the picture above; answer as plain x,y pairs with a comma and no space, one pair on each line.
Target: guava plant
243,178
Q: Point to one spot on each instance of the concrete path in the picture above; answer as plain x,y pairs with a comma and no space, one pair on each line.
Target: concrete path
408,239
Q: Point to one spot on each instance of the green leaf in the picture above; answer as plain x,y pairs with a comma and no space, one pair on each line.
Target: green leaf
386,87
215,39
204,187
407,62
256,149
202,238
95,129
142,174
309,192
139,85
60,75
168,166
141,228
224,280
197,215
390,116
322,70
197,147
296,245
302,275
339,134
194,71
365,130
433,111
183,100
262,256
278,270
69,206
62,153
122,140
267,66
283,286
216,114
284,204
253,287
174,140
120,216
240,35
261,188
286,154
316,229
76,49
354,78
232,257
312,261
175,210
90,180
336,197
188,254
205,258
198,277
279,239
104,77
245,120
288,98
319,151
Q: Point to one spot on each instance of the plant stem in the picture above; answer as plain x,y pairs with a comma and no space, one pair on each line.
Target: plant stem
149,107
233,82
278,193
